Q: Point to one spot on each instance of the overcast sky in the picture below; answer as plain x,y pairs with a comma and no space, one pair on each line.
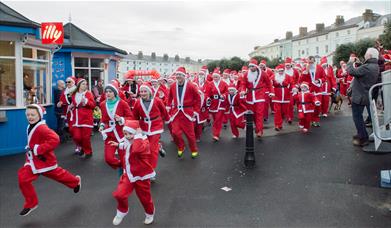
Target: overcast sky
205,30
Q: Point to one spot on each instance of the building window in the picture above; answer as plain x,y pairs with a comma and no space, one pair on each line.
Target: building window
317,50
306,41
299,42
302,52
317,39
348,32
337,34
327,37
306,51
89,68
326,48
7,74
298,53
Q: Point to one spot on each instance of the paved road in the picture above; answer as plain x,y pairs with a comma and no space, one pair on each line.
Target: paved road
313,180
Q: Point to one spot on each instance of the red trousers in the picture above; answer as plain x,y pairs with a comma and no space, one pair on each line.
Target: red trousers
258,110
181,124
291,110
281,112
198,130
218,118
143,192
110,156
236,123
26,177
225,118
82,138
268,101
305,120
154,147
315,116
325,104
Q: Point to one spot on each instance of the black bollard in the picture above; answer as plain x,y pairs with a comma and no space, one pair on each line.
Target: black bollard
249,158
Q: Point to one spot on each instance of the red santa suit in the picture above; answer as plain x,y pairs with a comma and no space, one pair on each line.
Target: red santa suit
282,85
161,92
151,119
256,84
226,78
328,85
137,172
131,93
216,94
306,103
314,76
84,105
268,102
66,100
236,108
41,160
203,115
342,75
184,105
111,129
295,75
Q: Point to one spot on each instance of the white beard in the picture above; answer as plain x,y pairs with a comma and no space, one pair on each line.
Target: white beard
252,76
289,71
69,90
279,78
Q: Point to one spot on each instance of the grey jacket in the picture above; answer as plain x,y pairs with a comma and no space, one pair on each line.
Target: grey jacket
365,76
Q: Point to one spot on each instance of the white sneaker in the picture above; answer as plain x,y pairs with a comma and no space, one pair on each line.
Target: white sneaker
148,219
118,218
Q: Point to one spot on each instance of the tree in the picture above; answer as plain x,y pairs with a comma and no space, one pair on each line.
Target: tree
361,46
343,52
275,62
386,36
235,63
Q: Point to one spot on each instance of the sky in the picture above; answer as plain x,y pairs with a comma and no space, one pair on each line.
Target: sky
195,29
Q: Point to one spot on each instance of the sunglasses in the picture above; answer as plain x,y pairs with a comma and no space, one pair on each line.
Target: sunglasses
69,82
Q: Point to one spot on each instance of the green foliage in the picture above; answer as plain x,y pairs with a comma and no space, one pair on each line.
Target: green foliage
386,36
235,63
359,48
275,62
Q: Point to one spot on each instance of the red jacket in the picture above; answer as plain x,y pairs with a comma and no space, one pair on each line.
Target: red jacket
282,90
203,115
236,105
41,143
306,102
311,77
130,97
82,111
112,129
256,90
66,100
216,94
161,93
151,119
329,82
135,158
189,102
294,74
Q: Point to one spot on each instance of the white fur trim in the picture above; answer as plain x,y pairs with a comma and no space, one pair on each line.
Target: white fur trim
35,150
112,87
180,73
147,87
130,130
140,136
251,64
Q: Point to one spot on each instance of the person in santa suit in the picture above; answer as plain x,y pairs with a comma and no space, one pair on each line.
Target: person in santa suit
41,160
314,75
294,75
282,85
255,84
226,78
236,108
216,95
137,171
185,101
306,102
159,90
121,93
151,113
66,101
268,101
342,75
235,78
130,89
201,117
329,85
83,104
114,113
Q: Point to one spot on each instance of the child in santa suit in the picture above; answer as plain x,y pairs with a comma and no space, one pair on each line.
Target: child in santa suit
236,108
137,171
114,113
216,94
329,85
130,89
227,79
294,74
151,113
306,102
40,159
83,105
159,90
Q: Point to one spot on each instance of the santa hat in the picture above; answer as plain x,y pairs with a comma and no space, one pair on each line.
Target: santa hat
253,62
323,60
234,72
298,66
115,82
217,72
113,87
232,86
181,71
288,61
263,62
204,69
280,67
147,86
226,71
305,84
154,80
80,80
40,108
72,78
131,126
129,76
244,69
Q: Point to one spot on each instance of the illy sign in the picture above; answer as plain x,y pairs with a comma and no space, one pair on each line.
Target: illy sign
52,33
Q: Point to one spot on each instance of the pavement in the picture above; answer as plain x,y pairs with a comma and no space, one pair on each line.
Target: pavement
314,180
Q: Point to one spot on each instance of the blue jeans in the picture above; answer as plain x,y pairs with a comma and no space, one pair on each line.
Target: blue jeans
357,111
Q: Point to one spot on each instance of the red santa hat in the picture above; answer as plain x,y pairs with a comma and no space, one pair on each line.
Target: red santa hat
154,80
323,60
40,108
129,76
113,87
131,126
217,72
244,69
305,84
204,69
116,82
234,72
147,86
80,80
226,71
263,62
232,86
280,67
288,61
72,78
298,66
181,71
253,62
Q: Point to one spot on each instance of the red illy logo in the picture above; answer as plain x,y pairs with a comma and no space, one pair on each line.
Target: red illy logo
52,33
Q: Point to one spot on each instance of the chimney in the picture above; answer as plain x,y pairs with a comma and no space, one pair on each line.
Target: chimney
153,56
176,58
255,48
275,40
199,61
165,57
368,15
339,20
303,31
140,55
187,59
288,35
319,27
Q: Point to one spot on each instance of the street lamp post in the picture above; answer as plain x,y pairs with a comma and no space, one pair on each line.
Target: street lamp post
249,158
